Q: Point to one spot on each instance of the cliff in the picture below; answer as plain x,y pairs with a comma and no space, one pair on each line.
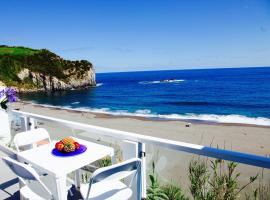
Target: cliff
31,70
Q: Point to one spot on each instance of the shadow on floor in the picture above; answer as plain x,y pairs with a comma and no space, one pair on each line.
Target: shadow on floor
76,196
8,184
15,196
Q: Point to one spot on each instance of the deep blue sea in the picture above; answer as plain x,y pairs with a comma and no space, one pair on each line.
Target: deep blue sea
239,95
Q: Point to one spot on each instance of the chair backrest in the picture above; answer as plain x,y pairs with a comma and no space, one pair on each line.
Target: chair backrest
30,138
20,169
116,172
24,171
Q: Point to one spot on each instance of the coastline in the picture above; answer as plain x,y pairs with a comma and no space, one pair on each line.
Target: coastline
143,118
34,90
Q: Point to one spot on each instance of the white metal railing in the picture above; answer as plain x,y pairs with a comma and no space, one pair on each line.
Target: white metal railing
249,159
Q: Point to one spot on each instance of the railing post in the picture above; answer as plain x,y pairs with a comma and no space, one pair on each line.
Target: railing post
29,123
32,123
141,180
26,123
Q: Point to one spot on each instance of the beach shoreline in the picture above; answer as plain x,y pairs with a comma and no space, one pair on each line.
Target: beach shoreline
143,118
240,137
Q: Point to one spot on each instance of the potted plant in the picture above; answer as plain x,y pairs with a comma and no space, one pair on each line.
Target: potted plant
7,95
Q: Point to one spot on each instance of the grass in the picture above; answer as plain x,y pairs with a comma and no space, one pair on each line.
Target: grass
17,51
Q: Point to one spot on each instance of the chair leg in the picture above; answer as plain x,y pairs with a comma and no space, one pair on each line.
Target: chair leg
22,182
70,192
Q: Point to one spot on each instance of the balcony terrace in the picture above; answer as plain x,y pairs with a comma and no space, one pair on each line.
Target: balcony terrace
126,145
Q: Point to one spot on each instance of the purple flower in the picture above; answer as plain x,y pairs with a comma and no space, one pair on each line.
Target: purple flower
12,98
9,95
10,91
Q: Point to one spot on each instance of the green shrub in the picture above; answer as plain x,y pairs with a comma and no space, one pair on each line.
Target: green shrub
173,192
198,176
105,162
155,191
262,191
220,183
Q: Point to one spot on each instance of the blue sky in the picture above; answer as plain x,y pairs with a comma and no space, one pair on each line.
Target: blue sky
129,35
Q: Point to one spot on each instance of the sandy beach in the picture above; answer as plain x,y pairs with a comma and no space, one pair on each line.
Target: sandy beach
246,138
171,165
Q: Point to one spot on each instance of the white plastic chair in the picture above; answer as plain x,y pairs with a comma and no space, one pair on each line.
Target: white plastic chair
105,183
29,139
30,190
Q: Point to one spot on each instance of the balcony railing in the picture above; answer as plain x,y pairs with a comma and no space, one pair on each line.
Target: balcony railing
141,140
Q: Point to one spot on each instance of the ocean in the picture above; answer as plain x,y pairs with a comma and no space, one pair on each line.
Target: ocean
235,95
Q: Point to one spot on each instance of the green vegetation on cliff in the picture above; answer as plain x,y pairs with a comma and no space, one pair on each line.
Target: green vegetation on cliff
14,59
16,51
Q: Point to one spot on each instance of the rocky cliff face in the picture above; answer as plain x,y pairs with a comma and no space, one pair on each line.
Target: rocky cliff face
40,69
74,79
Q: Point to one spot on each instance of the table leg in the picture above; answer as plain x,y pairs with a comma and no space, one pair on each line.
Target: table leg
77,178
60,189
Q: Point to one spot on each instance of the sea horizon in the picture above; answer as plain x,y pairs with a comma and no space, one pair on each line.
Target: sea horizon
186,69
223,95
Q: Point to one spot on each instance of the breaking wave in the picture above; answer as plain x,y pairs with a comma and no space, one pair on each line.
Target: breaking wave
223,104
162,81
76,102
229,119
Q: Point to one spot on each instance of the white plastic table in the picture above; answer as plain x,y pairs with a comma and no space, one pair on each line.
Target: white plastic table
58,167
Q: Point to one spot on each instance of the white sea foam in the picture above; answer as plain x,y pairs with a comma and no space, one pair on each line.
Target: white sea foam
144,111
234,119
76,102
99,84
161,81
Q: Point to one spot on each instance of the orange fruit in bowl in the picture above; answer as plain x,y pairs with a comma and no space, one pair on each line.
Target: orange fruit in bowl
67,140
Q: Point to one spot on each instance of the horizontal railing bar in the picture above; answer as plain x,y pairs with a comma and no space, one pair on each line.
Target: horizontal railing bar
8,151
245,158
